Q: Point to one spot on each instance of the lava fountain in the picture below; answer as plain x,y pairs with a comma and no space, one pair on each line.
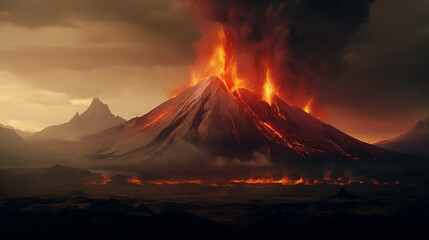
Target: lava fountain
259,64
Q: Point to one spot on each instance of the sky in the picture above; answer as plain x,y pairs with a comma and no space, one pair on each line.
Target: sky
56,55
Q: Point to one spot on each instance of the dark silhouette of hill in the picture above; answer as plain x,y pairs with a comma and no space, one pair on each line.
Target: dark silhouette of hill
415,141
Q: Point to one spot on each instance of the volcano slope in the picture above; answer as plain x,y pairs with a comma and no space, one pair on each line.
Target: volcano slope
210,125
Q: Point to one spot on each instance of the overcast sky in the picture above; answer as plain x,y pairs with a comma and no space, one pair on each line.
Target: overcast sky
56,55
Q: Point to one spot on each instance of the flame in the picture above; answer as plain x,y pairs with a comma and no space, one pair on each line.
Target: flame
134,180
103,181
222,62
240,53
268,88
307,107
217,55
162,182
260,181
282,181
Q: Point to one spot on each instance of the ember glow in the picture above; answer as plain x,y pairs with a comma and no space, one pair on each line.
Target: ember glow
282,181
258,181
307,107
224,51
105,180
134,180
217,57
162,182
268,88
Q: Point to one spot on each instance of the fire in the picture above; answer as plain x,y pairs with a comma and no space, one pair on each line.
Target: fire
253,52
162,182
282,181
259,181
268,88
103,181
308,107
217,55
222,62
137,181
134,180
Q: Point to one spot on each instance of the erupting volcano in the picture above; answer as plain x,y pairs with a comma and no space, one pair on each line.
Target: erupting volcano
232,124
223,116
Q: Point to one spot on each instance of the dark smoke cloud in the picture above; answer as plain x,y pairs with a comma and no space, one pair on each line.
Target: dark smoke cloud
305,39
366,60
387,74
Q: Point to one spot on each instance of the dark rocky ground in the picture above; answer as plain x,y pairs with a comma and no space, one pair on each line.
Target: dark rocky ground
58,204
107,218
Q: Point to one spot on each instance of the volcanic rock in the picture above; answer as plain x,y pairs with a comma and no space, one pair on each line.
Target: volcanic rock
344,194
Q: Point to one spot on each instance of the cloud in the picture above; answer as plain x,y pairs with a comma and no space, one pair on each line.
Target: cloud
52,36
386,74
365,59
129,53
28,108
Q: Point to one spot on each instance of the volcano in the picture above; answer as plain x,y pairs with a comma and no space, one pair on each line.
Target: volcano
234,125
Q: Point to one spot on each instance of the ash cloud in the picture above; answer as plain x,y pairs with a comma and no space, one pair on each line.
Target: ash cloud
364,60
304,40
387,74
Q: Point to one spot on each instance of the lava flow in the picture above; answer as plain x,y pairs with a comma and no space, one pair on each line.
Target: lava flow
261,181
105,180
268,88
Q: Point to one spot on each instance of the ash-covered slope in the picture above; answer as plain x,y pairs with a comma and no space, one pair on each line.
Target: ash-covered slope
237,125
97,117
415,141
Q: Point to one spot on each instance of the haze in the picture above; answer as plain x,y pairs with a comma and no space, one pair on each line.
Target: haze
55,56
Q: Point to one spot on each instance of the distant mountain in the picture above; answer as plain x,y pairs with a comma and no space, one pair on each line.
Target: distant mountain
23,134
415,141
97,117
10,141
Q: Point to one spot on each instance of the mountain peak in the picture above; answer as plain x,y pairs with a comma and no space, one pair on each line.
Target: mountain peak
210,82
96,102
97,117
414,141
97,106
75,117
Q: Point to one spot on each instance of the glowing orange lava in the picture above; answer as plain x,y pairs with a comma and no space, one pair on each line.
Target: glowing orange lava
268,88
104,181
282,181
134,180
217,56
260,181
307,107
221,62
161,182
